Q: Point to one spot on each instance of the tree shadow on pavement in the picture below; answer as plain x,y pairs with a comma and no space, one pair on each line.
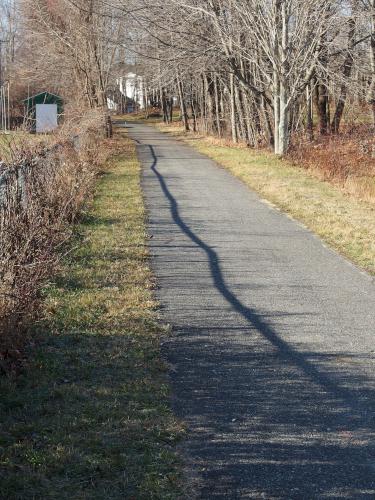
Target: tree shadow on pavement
268,420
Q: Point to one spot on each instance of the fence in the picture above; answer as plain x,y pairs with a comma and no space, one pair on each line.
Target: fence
13,179
41,194
17,180
5,107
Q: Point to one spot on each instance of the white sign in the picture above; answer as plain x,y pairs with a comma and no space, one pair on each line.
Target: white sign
46,117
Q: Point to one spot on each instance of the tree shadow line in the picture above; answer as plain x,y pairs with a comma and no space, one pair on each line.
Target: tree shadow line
268,419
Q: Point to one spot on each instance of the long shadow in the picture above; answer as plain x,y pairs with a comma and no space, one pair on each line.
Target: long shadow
287,351
267,420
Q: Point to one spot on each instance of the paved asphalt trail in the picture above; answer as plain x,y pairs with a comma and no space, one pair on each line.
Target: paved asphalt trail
273,348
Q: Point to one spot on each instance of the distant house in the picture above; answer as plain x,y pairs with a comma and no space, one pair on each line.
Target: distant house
127,95
131,86
132,106
42,112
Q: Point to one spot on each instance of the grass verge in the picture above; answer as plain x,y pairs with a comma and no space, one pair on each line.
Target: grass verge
345,223
89,415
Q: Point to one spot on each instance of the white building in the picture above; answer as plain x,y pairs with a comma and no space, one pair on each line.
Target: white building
131,86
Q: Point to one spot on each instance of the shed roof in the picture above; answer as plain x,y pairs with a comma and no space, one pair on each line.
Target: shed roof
44,97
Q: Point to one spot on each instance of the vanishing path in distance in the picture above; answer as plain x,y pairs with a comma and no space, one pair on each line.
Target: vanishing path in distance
272,352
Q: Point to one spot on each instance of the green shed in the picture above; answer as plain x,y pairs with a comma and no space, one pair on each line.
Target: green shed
42,111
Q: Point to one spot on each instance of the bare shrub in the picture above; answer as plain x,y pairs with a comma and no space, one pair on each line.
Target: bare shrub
41,195
347,159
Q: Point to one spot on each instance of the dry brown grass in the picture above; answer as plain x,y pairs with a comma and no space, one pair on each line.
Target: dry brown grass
347,160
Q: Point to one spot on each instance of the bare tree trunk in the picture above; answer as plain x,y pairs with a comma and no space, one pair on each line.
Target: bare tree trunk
163,101
203,104
371,95
321,97
348,65
211,110
251,134
283,91
217,106
233,110
185,119
170,109
276,110
321,103
239,107
146,102
267,119
232,96
283,122
309,114
256,114
194,115
193,110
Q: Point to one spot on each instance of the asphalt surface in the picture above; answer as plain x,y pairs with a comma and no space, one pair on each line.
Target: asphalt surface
272,352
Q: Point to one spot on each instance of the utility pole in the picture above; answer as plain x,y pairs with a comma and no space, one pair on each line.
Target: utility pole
3,106
1,62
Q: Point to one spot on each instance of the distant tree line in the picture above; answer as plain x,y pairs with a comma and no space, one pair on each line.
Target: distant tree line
258,71
263,69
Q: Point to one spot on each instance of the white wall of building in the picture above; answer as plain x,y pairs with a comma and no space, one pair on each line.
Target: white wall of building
46,117
112,105
131,86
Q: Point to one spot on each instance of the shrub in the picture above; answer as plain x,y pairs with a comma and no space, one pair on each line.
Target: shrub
41,194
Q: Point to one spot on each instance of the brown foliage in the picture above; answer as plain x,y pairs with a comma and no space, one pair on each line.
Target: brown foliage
43,195
347,159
